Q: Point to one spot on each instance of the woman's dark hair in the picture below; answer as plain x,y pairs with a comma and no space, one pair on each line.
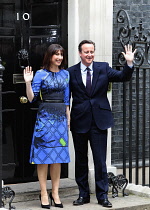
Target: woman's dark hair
51,50
85,42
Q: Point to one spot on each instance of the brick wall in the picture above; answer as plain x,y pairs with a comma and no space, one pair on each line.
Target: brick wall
136,9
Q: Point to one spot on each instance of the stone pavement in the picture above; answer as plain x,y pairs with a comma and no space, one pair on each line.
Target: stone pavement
27,197
131,202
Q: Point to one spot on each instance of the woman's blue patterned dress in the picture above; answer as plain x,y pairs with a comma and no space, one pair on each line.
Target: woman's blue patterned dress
50,137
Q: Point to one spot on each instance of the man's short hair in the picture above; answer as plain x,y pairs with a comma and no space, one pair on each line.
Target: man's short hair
85,42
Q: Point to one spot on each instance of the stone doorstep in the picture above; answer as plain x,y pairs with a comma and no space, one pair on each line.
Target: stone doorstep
139,190
30,191
34,195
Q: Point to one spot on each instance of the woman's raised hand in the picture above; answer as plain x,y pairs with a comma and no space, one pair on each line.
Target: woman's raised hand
28,74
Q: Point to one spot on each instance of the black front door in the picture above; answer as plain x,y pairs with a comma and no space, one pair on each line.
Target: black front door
27,28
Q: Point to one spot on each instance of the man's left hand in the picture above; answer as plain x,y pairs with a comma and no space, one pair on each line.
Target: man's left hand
129,55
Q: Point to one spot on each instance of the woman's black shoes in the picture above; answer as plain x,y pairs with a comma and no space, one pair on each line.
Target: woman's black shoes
44,206
59,205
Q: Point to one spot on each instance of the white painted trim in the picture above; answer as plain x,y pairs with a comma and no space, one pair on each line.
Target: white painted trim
90,19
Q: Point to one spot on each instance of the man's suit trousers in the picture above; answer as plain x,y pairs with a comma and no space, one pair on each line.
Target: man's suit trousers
98,143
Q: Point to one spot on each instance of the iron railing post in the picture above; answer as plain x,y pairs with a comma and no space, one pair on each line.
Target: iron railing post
2,68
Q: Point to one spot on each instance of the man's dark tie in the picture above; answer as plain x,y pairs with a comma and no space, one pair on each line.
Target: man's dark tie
88,80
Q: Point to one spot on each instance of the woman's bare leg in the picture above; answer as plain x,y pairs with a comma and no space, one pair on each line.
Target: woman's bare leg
42,176
55,170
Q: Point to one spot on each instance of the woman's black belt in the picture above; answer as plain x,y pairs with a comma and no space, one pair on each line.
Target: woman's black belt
53,101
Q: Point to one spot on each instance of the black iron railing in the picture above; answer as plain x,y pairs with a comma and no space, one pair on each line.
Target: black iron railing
1,80
136,102
136,127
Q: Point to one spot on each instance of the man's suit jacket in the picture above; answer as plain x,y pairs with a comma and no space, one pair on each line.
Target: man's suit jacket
96,105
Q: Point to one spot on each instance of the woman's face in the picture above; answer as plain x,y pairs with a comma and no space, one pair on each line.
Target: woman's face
57,58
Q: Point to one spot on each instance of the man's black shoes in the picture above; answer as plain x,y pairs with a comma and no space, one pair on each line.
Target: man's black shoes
105,203
81,201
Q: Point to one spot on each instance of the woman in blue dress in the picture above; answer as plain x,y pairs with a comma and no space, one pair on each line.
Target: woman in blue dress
50,137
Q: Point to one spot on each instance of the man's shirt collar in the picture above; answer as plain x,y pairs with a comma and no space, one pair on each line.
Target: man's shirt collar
83,67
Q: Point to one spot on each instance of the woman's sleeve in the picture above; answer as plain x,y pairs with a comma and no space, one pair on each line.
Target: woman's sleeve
67,91
36,85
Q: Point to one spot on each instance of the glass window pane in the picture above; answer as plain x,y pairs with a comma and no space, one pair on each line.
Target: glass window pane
7,15
44,14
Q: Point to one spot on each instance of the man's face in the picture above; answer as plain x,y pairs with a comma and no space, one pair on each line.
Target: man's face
87,54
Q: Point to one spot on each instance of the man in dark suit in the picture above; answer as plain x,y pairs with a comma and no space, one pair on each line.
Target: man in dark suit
91,117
